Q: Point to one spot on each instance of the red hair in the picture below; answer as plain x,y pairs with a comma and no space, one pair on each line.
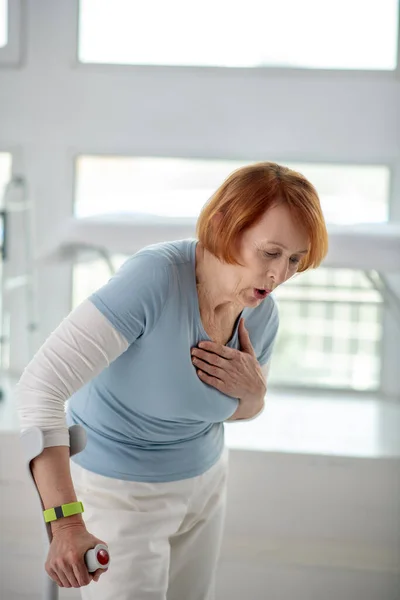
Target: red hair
246,195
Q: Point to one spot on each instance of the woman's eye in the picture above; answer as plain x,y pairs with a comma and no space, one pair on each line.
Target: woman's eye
294,260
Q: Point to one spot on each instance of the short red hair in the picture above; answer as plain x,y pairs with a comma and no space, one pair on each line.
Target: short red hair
246,195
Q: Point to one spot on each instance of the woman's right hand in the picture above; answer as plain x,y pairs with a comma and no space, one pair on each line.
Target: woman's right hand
65,561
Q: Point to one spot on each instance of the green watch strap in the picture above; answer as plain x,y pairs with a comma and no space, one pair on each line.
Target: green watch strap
65,510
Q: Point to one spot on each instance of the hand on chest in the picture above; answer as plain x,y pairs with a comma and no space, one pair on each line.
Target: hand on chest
234,371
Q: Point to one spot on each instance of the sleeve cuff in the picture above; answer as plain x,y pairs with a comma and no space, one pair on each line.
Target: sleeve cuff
56,437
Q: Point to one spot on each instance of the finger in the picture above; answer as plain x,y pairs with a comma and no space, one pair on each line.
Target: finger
210,358
55,577
81,573
69,572
62,577
208,368
97,574
213,381
244,339
224,351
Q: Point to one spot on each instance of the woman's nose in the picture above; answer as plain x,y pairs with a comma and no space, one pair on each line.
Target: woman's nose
278,271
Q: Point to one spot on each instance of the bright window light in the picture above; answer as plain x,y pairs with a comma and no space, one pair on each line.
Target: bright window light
3,23
178,187
328,34
5,176
331,318
5,172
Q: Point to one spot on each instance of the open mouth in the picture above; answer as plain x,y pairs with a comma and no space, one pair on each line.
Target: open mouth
261,293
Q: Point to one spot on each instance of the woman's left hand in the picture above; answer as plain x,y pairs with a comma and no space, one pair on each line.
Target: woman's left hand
235,373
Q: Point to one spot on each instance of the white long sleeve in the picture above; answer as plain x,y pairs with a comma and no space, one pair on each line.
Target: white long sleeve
79,349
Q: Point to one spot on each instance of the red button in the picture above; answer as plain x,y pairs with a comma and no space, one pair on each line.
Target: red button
103,557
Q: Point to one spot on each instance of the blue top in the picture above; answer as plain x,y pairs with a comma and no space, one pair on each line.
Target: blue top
148,416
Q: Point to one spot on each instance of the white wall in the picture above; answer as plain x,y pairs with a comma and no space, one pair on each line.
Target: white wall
51,108
304,509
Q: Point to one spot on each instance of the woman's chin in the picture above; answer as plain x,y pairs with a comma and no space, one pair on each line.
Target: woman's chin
251,301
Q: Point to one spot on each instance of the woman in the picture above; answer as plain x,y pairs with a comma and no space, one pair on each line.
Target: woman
176,343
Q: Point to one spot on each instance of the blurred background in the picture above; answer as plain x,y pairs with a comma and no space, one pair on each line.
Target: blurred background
126,112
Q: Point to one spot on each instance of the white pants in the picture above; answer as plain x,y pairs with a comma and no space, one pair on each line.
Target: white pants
164,538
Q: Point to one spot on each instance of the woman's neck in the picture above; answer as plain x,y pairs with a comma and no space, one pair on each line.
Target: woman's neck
216,296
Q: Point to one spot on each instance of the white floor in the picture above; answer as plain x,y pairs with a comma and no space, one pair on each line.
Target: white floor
313,510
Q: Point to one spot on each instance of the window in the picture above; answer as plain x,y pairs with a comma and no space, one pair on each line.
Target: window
178,187
171,187
5,172
259,33
3,23
10,26
331,329
5,176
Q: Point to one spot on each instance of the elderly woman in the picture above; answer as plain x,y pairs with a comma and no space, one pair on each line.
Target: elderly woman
153,364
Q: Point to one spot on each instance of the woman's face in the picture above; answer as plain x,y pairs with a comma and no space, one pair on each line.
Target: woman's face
270,253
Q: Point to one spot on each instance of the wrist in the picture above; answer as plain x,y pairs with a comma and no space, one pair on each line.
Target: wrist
257,407
72,522
249,408
253,403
